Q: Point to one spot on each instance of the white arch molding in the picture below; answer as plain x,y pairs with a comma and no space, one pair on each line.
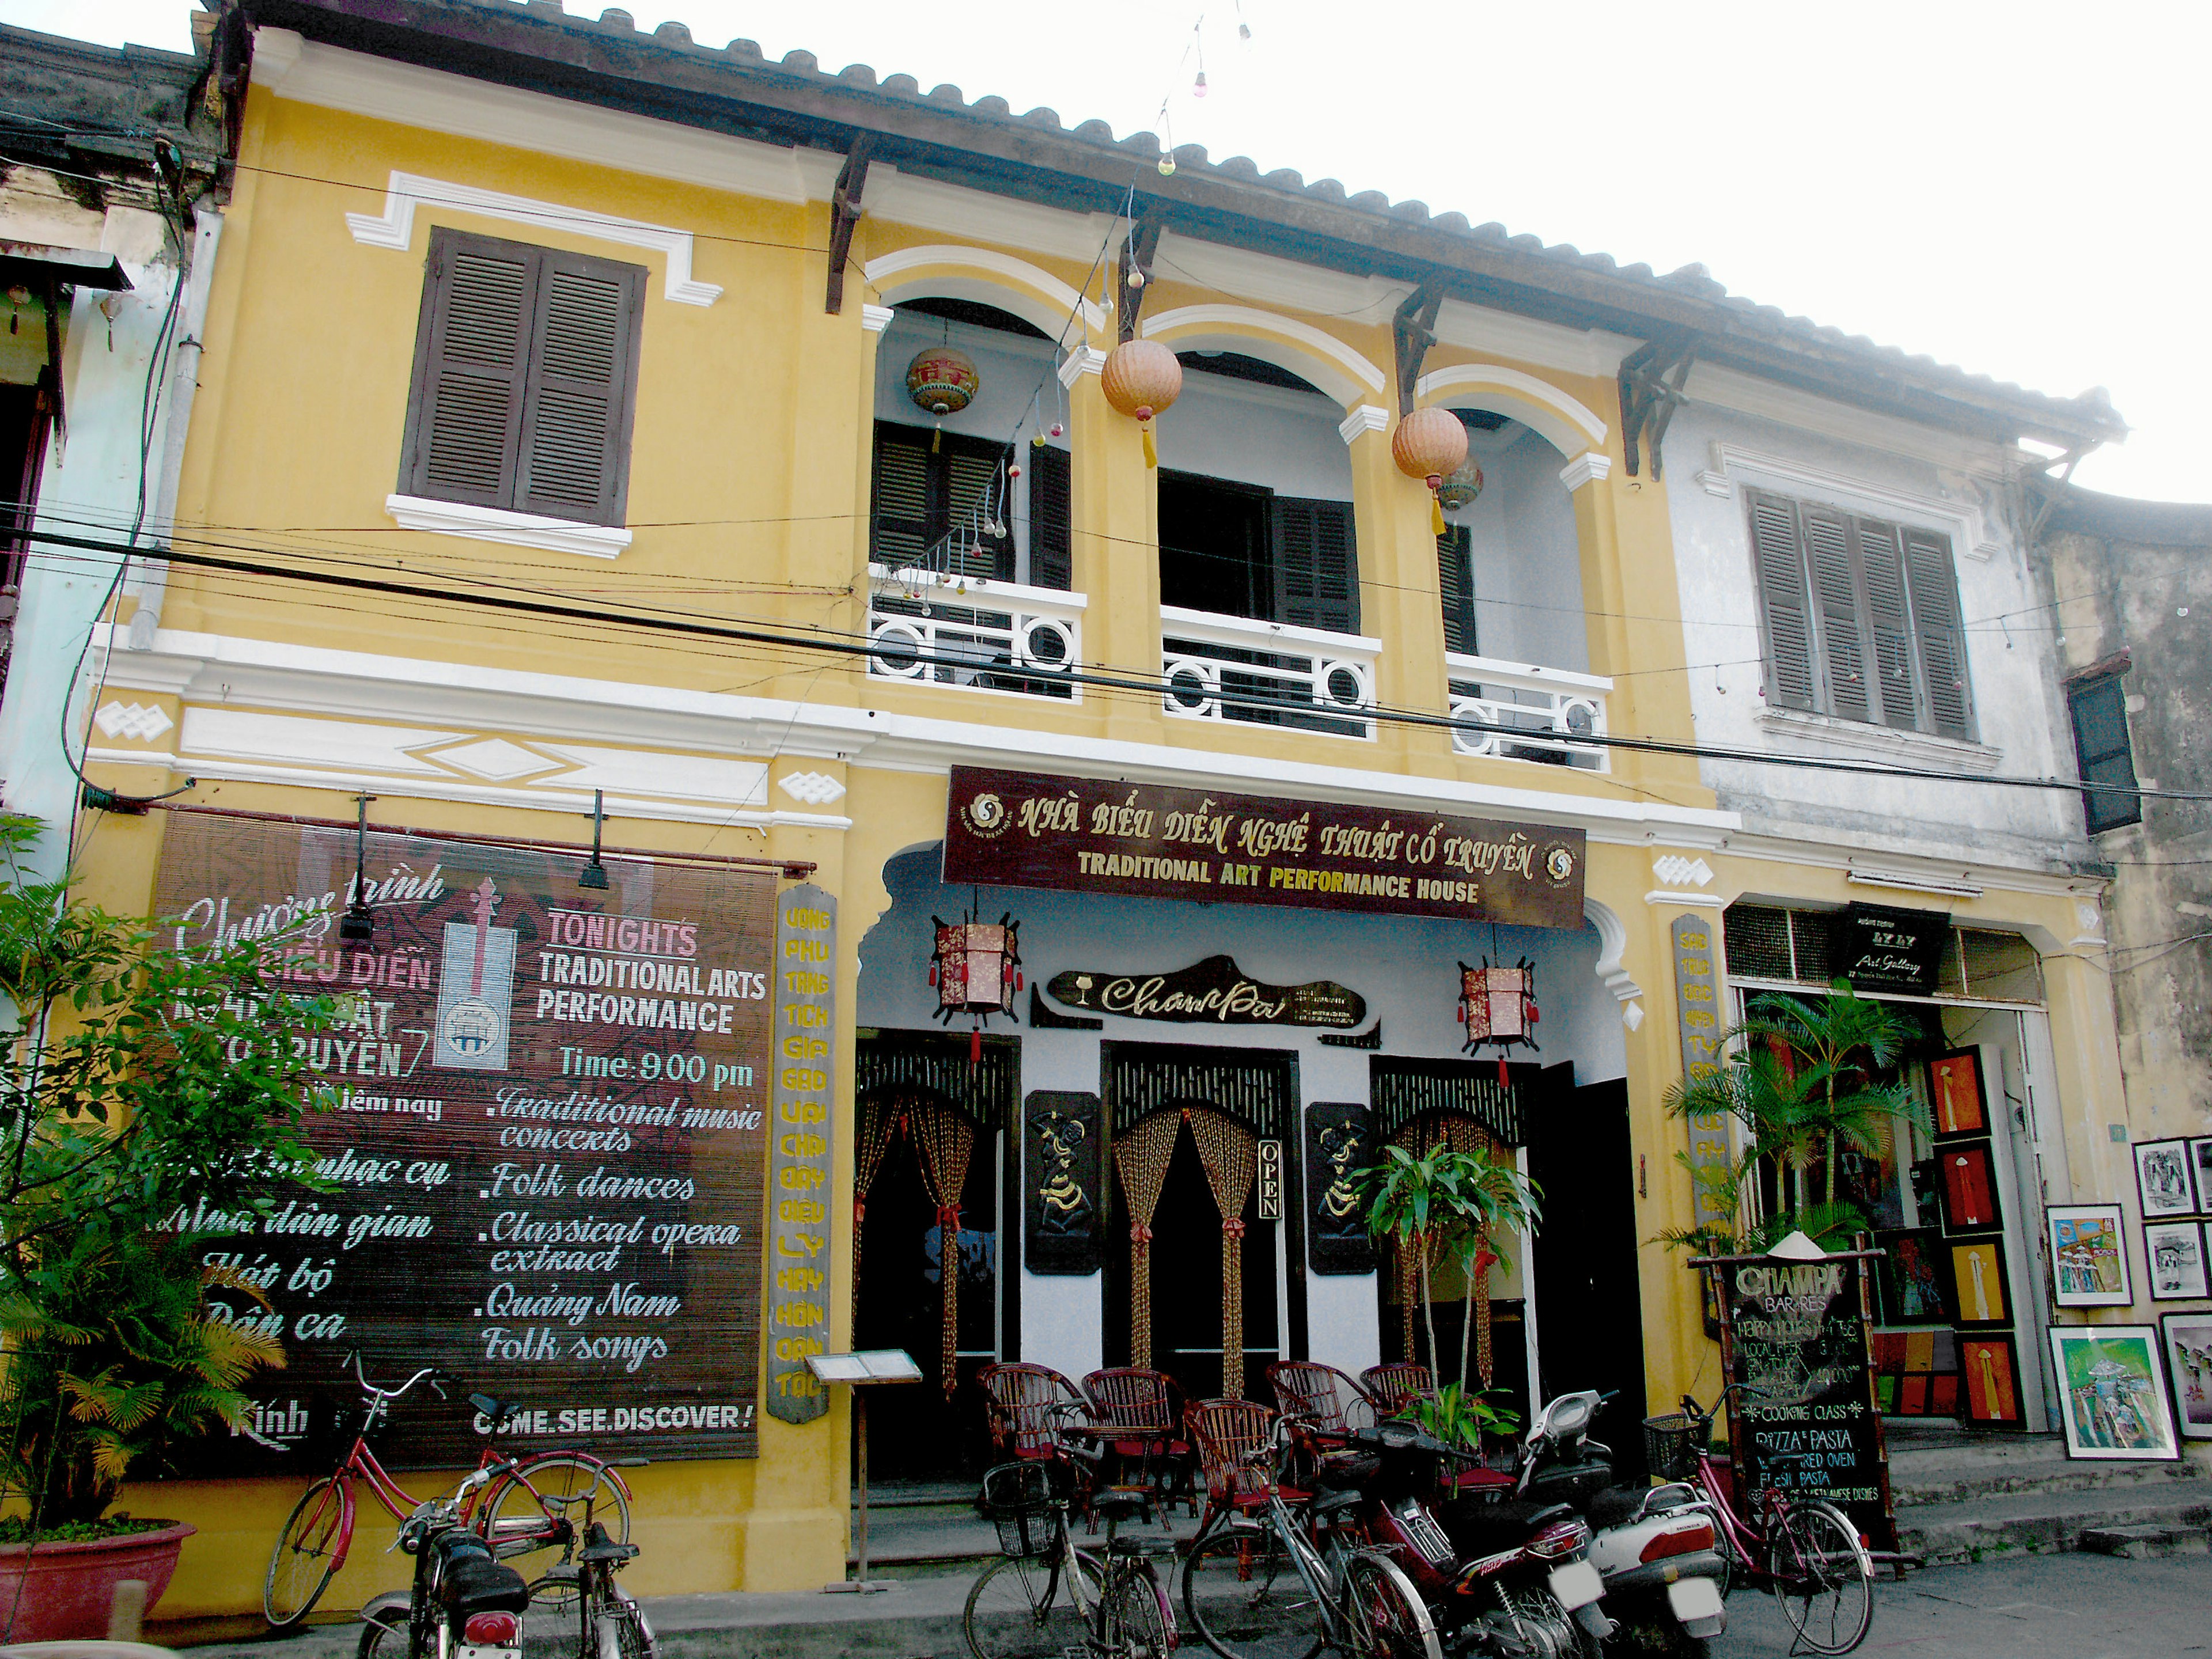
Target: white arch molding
1573,427
1297,348
945,270
1612,945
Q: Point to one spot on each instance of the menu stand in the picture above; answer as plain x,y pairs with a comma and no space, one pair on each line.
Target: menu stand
861,1372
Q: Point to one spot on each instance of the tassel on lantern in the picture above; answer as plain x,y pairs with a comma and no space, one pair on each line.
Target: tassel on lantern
1141,379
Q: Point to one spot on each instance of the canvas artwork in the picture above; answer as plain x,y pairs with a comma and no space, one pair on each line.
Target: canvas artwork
1992,1370
2189,1358
2088,1256
2163,1178
1970,1190
2112,1392
1977,1273
1911,1279
2175,1251
1954,1093
2200,1158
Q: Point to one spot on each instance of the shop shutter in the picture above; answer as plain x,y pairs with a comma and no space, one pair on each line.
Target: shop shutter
575,430
1051,541
471,361
1890,622
1316,567
2101,746
1836,599
899,498
1455,585
1934,591
1781,563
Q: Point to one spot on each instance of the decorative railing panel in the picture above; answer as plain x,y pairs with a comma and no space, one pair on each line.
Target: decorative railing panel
931,629
1264,673
1520,711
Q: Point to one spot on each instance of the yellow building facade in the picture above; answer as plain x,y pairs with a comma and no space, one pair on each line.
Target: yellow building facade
734,664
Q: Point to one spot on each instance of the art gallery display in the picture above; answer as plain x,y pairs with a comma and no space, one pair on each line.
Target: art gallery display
2175,1253
2112,1389
2163,1178
2188,1363
2088,1256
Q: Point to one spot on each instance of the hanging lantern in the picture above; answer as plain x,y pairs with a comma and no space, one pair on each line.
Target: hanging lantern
1460,487
942,379
1140,379
977,969
1498,1006
1429,444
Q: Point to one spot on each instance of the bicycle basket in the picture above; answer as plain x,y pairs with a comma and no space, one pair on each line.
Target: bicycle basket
1018,1499
1670,1446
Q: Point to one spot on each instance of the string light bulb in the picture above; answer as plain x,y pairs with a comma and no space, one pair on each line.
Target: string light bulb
1136,279
1167,166
1197,87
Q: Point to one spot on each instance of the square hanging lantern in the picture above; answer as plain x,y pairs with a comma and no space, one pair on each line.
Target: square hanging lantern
977,969
1498,1007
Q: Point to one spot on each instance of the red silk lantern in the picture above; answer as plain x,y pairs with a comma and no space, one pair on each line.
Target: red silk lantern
1498,1006
1140,379
976,968
1429,444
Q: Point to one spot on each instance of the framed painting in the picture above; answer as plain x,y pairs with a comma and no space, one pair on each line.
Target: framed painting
2174,1253
2112,1391
1989,1367
2163,1179
1970,1187
1978,1279
2200,1163
1956,1099
2189,1363
2088,1256
1910,1280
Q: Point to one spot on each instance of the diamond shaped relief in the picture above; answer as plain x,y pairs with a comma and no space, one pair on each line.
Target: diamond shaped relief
813,788
495,759
1674,870
144,721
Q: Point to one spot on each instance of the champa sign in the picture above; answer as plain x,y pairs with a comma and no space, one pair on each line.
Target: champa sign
1215,990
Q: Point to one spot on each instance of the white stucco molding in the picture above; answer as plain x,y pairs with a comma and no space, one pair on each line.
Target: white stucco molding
1569,424
1613,945
275,54
1366,417
1921,749
1592,466
876,319
1080,362
1030,292
1296,347
404,193
493,524
1960,521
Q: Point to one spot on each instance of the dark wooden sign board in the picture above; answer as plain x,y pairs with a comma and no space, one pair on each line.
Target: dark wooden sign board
1089,835
1880,948
1215,991
547,1150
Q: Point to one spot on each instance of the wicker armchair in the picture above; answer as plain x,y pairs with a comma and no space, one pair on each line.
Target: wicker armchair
1023,1404
1228,1436
1393,1388
1321,1399
1143,1402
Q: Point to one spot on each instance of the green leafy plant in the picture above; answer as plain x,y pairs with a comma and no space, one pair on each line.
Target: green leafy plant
143,1089
1461,1417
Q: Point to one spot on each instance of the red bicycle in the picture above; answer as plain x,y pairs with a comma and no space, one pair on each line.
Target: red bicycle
523,1510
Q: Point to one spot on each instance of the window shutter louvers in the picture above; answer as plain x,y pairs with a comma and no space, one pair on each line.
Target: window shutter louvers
1889,620
1051,541
471,369
975,492
1781,563
899,500
1455,587
1316,566
2102,747
1934,591
1835,589
576,424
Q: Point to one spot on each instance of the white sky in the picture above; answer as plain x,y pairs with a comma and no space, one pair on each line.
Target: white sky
2015,188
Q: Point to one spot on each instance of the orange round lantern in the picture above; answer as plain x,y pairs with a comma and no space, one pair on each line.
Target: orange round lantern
1140,379
1429,444
942,379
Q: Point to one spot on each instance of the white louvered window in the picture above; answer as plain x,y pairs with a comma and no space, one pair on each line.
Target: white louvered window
525,376
1860,617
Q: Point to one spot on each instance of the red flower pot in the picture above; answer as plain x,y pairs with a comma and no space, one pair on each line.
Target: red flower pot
58,1592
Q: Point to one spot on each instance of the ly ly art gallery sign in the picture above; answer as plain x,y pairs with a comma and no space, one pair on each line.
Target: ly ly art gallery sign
543,1171
1083,834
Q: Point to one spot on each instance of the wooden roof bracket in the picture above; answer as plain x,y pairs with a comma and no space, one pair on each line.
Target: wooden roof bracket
1136,255
1413,331
845,211
1652,381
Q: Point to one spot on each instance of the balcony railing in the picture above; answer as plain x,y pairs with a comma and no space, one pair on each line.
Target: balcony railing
930,628
1543,711
1232,668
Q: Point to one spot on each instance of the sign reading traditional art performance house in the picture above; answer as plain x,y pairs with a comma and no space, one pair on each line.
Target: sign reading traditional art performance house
1019,829
543,1171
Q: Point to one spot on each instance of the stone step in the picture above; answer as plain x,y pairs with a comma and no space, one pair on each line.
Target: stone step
2042,1522
1922,1482
2146,1543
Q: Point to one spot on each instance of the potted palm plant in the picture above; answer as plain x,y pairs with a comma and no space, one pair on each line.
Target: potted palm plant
141,1087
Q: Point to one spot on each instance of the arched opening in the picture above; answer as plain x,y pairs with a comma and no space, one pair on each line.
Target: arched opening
1510,559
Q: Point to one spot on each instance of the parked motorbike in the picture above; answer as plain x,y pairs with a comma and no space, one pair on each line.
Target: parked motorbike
463,1603
1657,1547
1507,1579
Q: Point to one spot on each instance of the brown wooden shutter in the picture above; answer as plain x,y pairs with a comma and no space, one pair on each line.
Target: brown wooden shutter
1316,566
975,495
1777,552
1455,585
1051,562
1842,651
1890,623
1933,587
471,363
576,416
899,498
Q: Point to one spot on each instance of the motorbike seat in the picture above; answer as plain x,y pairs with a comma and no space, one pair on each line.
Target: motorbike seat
474,1582
1477,1527
1332,1503
1615,1505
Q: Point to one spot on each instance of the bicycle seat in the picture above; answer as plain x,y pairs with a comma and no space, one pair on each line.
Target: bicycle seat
1329,1502
1120,1502
497,1411
597,1547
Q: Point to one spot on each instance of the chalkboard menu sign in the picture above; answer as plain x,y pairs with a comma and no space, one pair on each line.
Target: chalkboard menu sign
1793,1335
1879,948
542,1169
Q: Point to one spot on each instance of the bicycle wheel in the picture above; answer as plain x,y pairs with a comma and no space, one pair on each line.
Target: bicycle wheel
1022,1607
310,1549
521,1517
1242,1594
383,1641
1141,1612
556,1625
1822,1577
1384,1617
623,1632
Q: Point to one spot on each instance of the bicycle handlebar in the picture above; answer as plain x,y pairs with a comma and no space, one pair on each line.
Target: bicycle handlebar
1691,1408
370,1388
